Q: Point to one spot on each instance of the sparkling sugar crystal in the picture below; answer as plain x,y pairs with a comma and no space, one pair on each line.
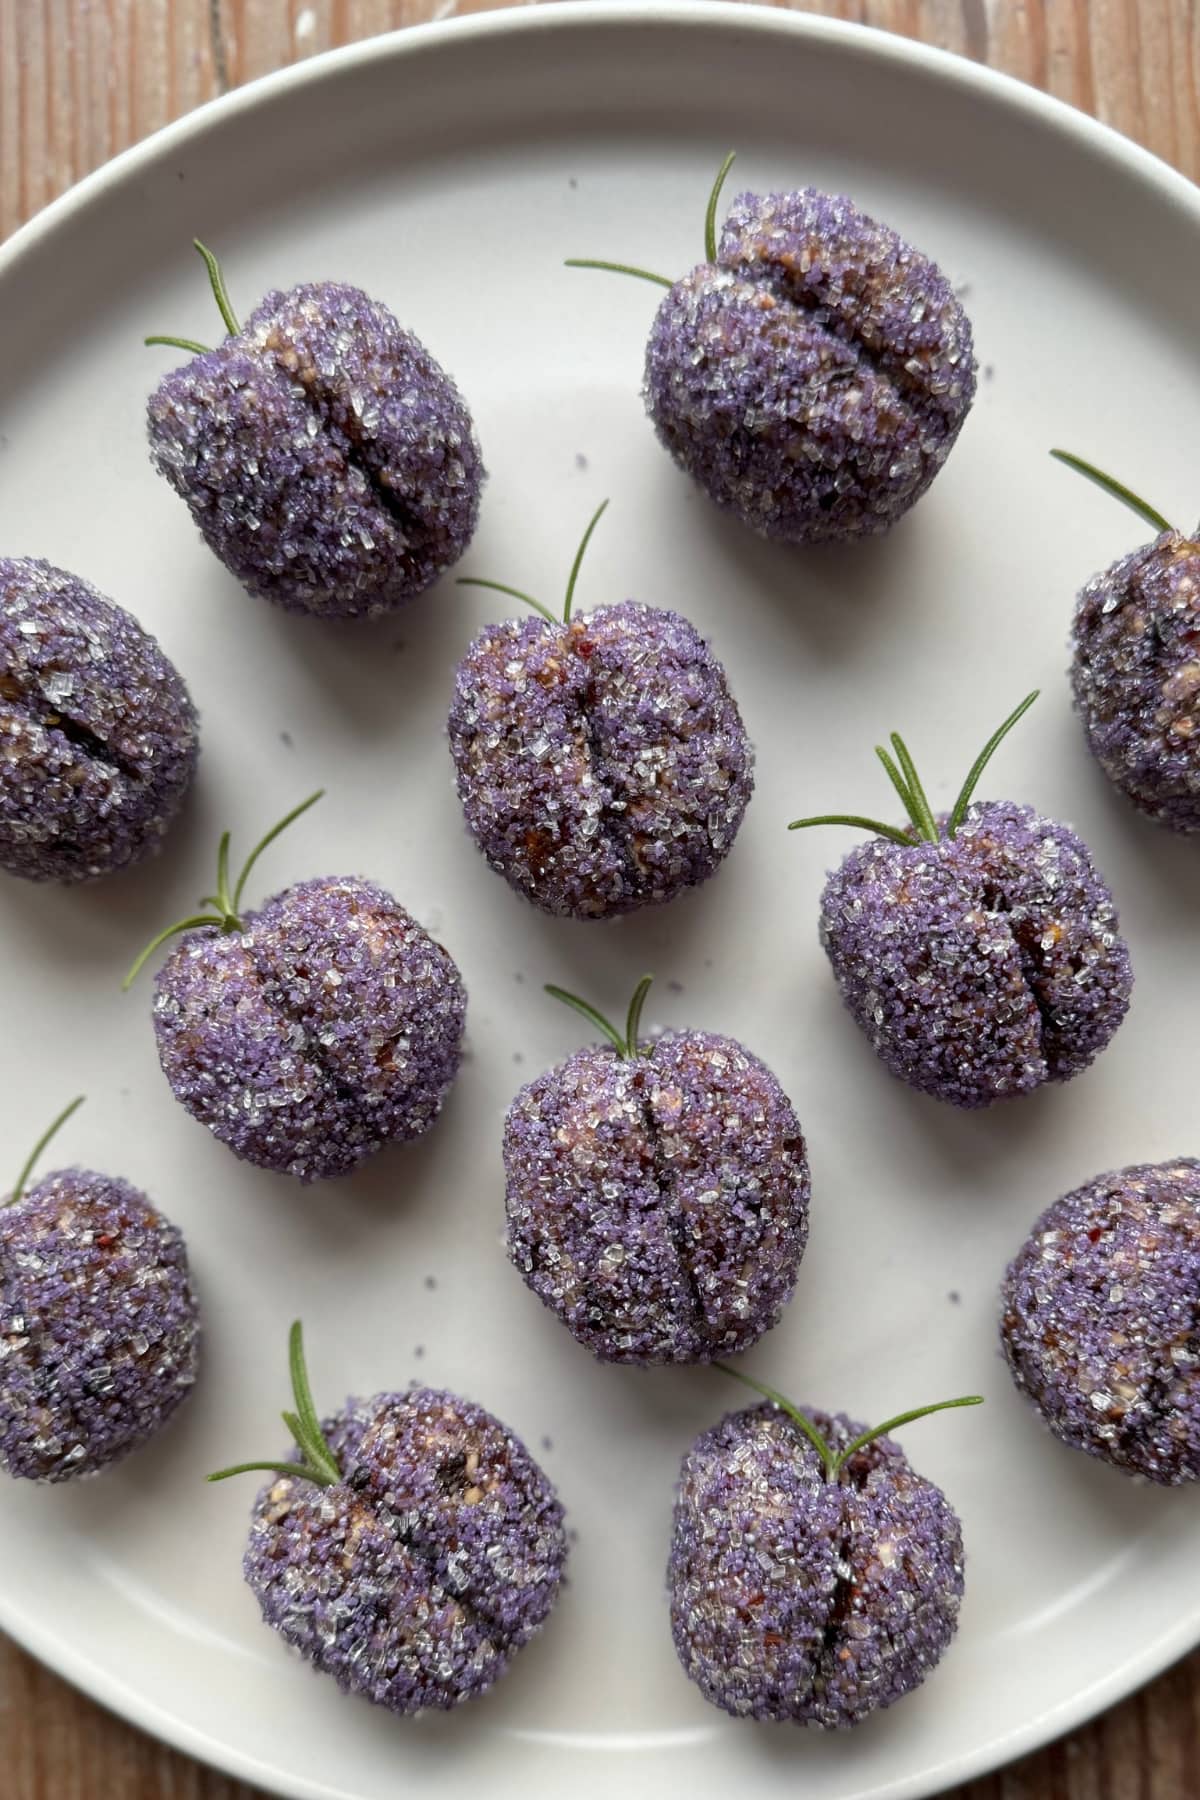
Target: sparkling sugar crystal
98,735
296,1071
1101,1319
798,1599
983,965
658,1204
602,765
1135,674
99,1329
326,457
417,1578
813,379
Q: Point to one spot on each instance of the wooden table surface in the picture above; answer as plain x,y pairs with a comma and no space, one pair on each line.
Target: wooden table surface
79,80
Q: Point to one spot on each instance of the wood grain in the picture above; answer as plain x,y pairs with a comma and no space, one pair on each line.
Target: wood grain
80,80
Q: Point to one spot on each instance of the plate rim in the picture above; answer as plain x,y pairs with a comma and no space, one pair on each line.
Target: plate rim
550,16
99,1682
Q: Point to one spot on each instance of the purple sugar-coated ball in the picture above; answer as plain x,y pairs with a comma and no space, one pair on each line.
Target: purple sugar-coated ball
328,460
800,1599
328,1026
1135,673
658,1203
1100,1324
983,965
99,1329
814,378
98,735
602,765
416,1578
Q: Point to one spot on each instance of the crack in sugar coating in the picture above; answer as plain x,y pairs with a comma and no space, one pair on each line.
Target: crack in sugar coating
329,1026
983,965
814,379
328,460
658,1204
98,735
1101,1319
416,1579
1135,674
99,1328
798,1599
602,765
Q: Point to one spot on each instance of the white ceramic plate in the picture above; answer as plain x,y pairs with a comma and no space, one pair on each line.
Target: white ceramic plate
449,171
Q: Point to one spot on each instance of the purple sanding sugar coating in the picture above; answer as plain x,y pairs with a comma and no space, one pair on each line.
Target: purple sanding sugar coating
329,1026
328,460
659,1203
983,965
99,1329
803,1600
1101,1319
98,735
602,765
416,1579
1136,677
814,378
